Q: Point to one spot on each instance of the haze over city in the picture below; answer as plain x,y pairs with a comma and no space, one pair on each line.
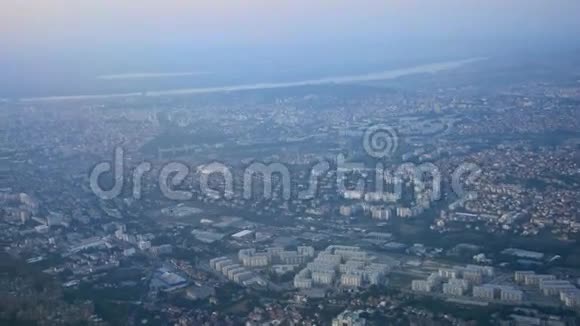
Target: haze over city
292,163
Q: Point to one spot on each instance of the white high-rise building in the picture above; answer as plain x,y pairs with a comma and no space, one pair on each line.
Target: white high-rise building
259,260
511,295
421,286
484,292
325,278
306,251
351,280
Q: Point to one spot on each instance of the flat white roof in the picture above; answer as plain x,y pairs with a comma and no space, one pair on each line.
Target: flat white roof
242,234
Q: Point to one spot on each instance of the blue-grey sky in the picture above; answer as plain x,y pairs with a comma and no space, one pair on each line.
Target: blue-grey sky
92,23
117,36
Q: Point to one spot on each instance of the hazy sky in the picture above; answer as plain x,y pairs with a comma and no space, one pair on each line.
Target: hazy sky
88,23
35,33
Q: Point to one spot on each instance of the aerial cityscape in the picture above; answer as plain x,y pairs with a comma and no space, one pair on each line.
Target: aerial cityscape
440,191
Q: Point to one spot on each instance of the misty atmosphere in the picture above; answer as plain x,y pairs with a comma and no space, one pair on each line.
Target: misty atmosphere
294,163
